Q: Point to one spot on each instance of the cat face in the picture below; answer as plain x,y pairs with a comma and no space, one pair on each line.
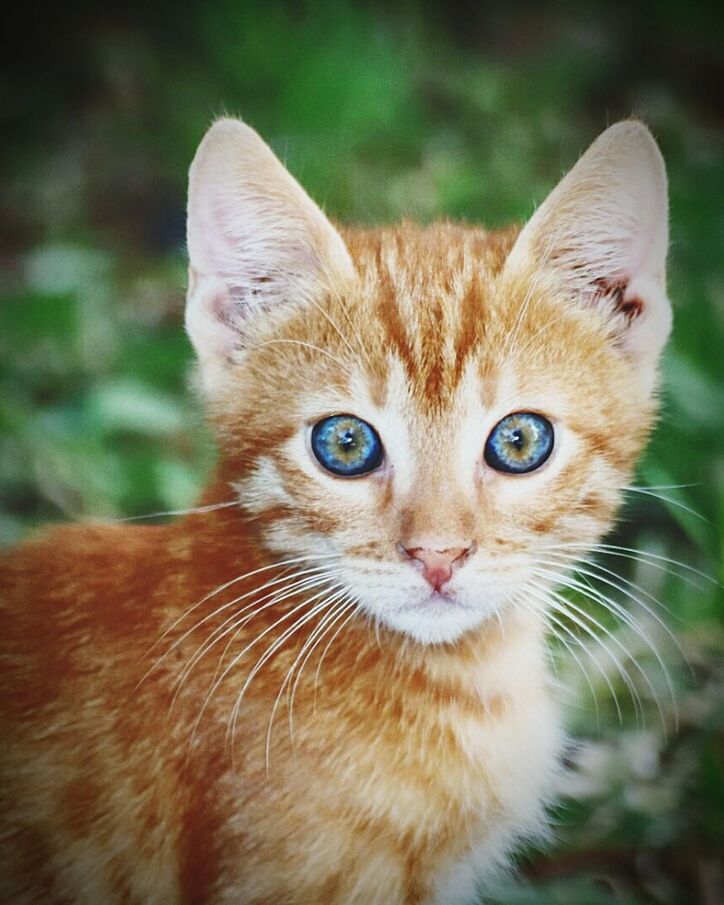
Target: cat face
429,410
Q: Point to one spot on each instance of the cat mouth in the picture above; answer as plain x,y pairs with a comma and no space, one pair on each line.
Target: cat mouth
438,600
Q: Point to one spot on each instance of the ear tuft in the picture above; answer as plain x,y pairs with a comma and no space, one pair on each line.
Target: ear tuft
255,240
603,235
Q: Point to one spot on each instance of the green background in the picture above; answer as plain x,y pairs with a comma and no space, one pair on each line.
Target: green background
468,111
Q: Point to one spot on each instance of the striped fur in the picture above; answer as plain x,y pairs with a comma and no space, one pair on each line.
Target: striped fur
388,750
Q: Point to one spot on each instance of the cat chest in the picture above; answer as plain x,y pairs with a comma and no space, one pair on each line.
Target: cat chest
488,793
402,807
439,801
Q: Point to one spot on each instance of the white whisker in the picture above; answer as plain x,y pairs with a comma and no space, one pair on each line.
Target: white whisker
219,610
305,651
521,601
662,486
632,553
354,606
345,602
550,614
561,606
276,645
570,605
648,491
287,581
306,345
623,584
238,621
617,609
210,508
236,580
219,679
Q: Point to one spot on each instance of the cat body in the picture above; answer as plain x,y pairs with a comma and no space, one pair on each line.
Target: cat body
400,776
328,684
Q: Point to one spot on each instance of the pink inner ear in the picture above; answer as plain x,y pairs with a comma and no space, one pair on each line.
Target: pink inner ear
212,247
259,264
225,313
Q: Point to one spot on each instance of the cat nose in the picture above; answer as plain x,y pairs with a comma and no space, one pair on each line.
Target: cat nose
437,565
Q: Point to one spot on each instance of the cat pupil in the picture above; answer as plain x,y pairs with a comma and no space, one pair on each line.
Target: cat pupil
347,440
516,438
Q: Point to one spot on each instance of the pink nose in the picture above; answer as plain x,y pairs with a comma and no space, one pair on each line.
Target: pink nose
437,565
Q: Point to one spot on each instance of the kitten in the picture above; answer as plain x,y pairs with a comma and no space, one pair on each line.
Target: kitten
351,627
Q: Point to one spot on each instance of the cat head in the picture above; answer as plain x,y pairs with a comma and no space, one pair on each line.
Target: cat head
431,408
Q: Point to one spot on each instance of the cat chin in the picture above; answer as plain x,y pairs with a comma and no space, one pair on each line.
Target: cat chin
437,621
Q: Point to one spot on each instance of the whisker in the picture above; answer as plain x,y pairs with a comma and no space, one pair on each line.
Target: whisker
570,605
317,672
276,645
287,582
238,621
648,491
236,580
554,602
305,652
632,553
584,672
238,657
662,486
562,607
573,563
216,612
551,615
378,640
616,609
347,603
306,345
566,608
622,584
210,508
620,668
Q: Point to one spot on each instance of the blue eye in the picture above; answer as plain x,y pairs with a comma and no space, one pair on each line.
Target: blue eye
346,446
519,443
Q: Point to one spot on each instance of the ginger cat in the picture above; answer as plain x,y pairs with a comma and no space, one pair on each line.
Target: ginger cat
328,685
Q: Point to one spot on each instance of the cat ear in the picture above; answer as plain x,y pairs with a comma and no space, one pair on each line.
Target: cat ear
603,235
255,239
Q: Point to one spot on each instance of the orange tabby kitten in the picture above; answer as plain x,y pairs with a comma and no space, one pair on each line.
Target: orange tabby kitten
349,629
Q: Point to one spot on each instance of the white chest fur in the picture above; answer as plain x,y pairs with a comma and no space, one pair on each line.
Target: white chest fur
519,758
513,757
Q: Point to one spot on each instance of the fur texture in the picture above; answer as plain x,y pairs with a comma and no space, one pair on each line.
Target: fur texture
339,734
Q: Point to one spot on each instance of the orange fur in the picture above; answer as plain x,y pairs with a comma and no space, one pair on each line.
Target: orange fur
405,769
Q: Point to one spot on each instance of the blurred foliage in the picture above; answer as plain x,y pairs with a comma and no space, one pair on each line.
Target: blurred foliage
468,111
